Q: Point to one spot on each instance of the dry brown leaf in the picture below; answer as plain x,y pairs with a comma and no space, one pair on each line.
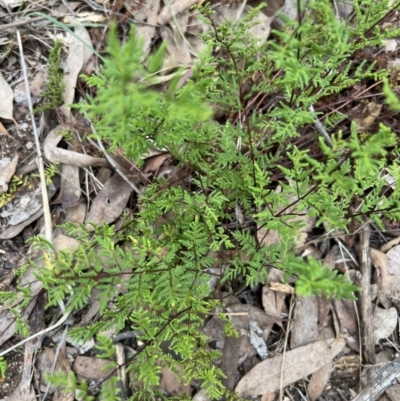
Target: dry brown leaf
305,325
347,316
257,340
101,177
16,395
171,383
389,280
260,30
268,397
201,396
344,8
385,397
110,201
86,16
6,99
372,112
146,31
45,363
70,186
324,306
57,155
13,231
78,56
273,298
179,53
91,368
384,322
389,245
31,283
153,164
3,130
272,237
331,256
23,207
10,3
382,277
268,238
214,329
393,392
70,190
63,242
250,313
77,213
311,251
7,321
7,170
36,87
237,350
378,259
283,288
174,9
195,29
92,311
265,377
22,211
318,381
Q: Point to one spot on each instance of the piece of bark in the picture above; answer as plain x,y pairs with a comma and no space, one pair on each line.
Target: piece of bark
383,379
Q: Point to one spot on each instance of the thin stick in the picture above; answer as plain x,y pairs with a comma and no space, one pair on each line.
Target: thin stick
284,348
39,333
16,24
366,329
320,128
53,367
46,207
45,198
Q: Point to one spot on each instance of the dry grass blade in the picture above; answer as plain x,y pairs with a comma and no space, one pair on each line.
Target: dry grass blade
46,207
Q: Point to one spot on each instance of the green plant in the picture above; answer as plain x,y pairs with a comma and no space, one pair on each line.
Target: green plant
18,184
55,87
160,258
3,367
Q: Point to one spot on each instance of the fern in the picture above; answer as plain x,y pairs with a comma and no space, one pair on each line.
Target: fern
156,269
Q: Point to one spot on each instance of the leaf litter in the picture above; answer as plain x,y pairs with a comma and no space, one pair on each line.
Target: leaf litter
253,362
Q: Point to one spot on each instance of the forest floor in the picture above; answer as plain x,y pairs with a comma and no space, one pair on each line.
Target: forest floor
300,330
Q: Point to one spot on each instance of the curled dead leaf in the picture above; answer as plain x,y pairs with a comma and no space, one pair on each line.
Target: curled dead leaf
57,155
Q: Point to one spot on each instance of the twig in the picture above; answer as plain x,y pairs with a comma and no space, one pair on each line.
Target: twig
16,24
366,329
45,198
117,169
320,128
284,348
57,353
51,328
114,164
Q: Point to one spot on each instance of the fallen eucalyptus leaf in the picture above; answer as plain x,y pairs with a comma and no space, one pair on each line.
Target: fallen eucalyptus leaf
266,376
